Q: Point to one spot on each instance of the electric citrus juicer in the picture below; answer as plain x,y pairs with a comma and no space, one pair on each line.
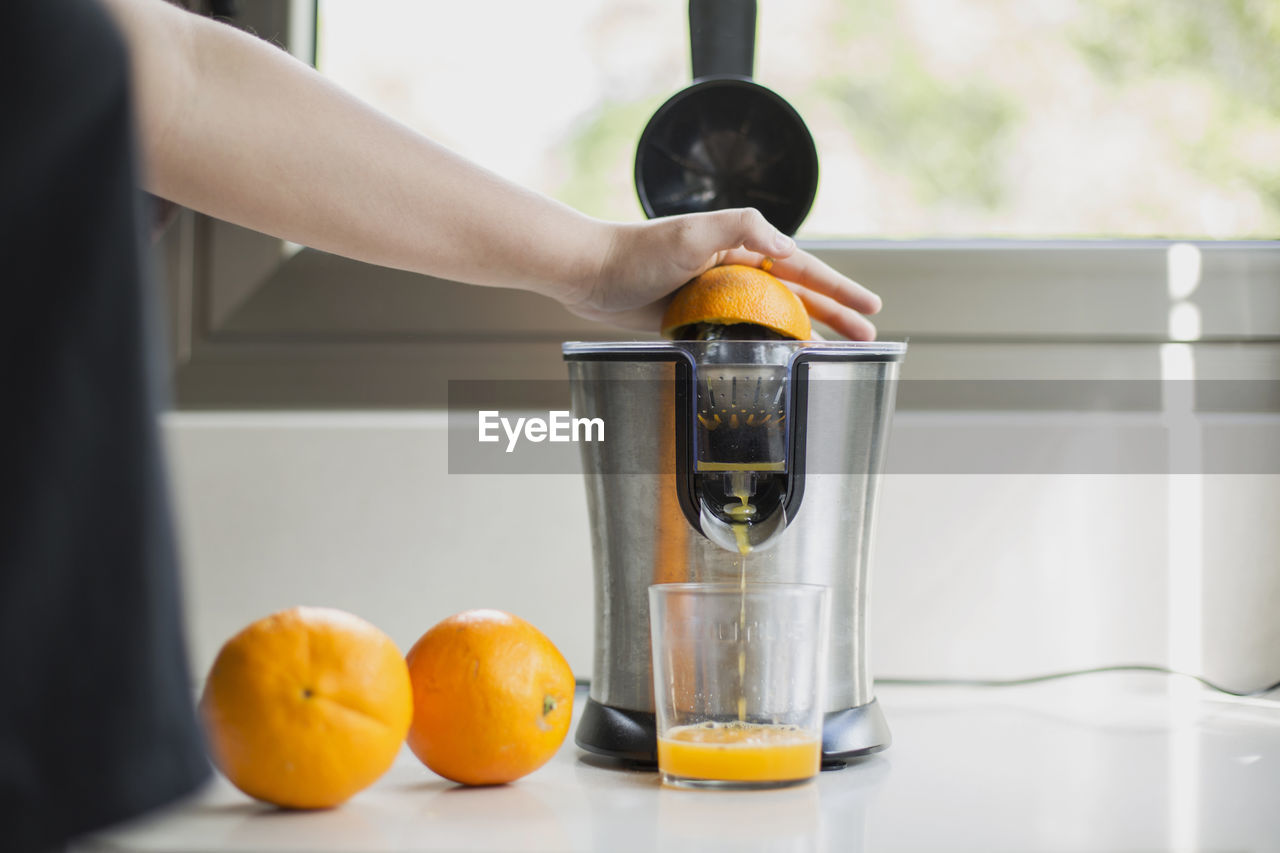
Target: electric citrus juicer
719,446
715,444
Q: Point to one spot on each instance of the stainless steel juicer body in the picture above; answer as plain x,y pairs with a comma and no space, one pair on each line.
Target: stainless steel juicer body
648,500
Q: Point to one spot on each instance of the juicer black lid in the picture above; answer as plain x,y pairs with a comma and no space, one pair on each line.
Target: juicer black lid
726,141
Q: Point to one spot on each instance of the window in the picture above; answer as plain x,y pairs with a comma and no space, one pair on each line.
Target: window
932,118
1026,182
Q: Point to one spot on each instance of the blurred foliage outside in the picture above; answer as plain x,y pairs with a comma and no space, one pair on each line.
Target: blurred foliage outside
932,118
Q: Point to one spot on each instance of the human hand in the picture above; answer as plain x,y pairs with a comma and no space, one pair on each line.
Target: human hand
645,262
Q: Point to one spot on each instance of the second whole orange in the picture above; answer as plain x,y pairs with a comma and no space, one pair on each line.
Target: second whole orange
492,698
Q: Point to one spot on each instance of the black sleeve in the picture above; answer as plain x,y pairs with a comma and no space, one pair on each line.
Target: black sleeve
96,722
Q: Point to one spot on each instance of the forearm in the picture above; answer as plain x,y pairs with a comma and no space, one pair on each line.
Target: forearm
238,129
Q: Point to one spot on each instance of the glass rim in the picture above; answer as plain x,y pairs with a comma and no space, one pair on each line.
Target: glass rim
734,588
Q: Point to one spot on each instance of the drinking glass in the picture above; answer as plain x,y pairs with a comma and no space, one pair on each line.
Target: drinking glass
738,682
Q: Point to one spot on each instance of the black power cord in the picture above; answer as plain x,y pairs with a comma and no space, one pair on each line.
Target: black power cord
1053,676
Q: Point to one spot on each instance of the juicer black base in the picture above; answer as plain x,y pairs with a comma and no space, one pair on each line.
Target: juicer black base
853,733
629,736
632,736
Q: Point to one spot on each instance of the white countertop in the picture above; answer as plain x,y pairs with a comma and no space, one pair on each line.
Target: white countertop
1101,763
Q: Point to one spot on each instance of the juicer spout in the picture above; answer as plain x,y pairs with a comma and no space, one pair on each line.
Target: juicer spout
741,510
742,486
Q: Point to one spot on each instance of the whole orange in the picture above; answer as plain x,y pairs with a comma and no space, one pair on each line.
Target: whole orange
734,293
492,698
306,707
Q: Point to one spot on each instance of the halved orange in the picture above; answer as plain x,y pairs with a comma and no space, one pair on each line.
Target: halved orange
734,293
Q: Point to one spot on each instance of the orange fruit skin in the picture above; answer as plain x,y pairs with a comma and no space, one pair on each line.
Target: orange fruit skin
734,293
492,698
306,707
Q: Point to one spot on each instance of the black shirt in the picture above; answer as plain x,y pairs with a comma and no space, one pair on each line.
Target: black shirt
96,722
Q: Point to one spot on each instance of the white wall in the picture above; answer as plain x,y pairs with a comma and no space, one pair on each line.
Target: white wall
974,575
359,512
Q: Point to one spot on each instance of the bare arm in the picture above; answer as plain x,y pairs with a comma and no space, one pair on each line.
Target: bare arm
238,129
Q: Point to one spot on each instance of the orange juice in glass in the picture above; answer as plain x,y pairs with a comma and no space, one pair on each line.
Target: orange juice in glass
738,682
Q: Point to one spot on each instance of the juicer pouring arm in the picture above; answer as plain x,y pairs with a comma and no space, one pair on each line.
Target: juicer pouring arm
722,37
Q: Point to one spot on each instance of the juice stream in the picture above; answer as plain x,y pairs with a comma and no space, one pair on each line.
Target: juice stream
744,545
